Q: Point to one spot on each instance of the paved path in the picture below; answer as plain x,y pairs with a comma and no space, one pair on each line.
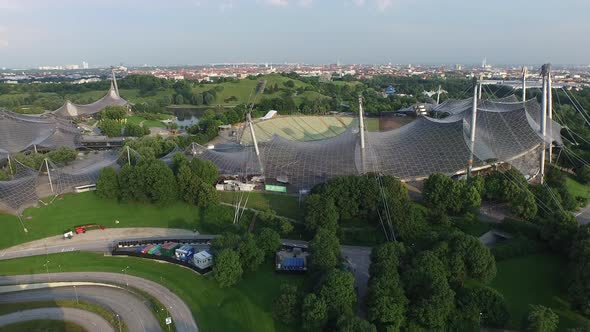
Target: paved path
94,240
133,310
179,311
583,216
88,320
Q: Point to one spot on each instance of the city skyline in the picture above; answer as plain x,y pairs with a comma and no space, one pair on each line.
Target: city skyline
35,33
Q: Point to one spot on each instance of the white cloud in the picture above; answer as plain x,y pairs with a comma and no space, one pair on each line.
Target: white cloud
278,2
384,4
3,37
305,3
359,3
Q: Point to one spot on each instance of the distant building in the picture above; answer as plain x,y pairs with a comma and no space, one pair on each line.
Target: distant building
390,90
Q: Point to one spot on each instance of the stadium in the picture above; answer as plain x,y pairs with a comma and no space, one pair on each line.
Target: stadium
507,131
298,152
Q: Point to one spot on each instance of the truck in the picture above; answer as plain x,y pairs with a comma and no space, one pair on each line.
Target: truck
147,248
155,250
169,248
84,228
184,253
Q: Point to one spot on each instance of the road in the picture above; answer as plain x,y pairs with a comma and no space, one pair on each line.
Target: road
95,240
88,320
179,311
132,309
101,241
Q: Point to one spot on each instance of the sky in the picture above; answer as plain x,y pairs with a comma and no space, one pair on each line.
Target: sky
194,32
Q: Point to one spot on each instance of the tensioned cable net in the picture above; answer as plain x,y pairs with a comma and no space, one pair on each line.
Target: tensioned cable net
20,190
26,186
507,131
21,132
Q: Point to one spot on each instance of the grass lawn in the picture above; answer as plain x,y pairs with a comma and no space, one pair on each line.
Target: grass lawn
246,307
87,208
284,205
535,279
105,313
242,89
43,325
28,109
137,119
372,124
576,188
473,228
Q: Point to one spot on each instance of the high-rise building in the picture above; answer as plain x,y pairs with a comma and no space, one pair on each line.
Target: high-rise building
84,65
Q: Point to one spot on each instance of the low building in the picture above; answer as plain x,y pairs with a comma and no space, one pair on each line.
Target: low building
291,259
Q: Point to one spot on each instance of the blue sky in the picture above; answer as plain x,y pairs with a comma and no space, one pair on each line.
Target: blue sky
167,32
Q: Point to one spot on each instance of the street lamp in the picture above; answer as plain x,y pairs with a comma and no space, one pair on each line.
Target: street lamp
126,280
76,291
479,321
47,268
119,322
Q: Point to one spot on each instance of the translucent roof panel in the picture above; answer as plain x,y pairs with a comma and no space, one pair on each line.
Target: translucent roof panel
19,132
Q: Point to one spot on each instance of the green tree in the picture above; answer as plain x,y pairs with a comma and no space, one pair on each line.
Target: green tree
314,313
111,128
583,174
386,301
227,269
206,194
179,99
251,255
107,185
324,251
483,305
337,290
431,300
204,170
113,113
135,130
131,185
286,307
320,212
184,178
269,241
524,205
159,181
437,190
178,159
541,319
352,323
63,155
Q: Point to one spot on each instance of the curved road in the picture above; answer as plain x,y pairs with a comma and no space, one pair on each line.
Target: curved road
88,320
179,311
133,311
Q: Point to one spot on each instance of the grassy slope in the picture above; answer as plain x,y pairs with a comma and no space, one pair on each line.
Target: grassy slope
243,88
283,205
43,325
246,307
87,208
137,119
105,313
535,279
576,188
